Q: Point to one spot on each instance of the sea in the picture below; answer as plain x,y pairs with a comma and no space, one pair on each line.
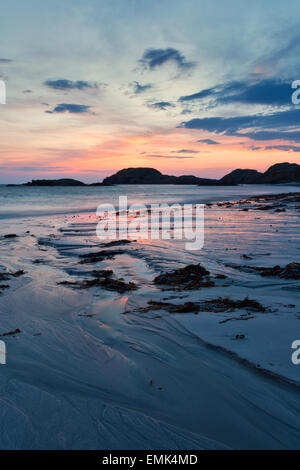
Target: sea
23,201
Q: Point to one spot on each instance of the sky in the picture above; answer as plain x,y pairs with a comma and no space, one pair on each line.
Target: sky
196,87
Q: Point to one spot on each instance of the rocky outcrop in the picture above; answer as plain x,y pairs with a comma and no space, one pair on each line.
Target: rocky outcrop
242,177
282,173
279,173
60,182
276,174
135,176
152,176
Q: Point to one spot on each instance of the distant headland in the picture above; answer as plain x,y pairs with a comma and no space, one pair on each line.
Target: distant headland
276,174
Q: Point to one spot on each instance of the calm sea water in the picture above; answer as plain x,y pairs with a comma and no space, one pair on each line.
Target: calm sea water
20,201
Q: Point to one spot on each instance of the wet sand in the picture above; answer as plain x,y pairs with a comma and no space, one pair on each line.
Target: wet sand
94,368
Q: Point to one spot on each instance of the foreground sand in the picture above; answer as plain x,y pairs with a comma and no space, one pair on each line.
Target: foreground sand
95,368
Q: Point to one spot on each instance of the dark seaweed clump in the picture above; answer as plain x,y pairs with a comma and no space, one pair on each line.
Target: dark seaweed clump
10,235
102,279
7,275
99,256
117,243
11,333
215,305
290,271
190,277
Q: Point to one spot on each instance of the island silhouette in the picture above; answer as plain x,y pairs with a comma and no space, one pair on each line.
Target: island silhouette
279,173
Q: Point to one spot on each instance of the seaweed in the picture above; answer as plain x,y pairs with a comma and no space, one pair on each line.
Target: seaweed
103,279
290,271
10,333
215,305
190,277
99,256
10,235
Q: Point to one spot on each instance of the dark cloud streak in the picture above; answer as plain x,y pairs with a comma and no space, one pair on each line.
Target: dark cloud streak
70,108
168,156
208,142
138,88
161,105
153,58
65,85
273,126
284,148
270,92
185,151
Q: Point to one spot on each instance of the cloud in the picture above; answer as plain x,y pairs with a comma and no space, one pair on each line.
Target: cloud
289,136
162,105
32,169
66,85
138,88
6,61
198,96
153,58
216,91
70,108
185,151
220,125
284,148
266,92
168,156
264,125
285,47
255,148
208,141
270,92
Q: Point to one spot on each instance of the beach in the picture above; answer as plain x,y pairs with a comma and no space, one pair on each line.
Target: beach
115,360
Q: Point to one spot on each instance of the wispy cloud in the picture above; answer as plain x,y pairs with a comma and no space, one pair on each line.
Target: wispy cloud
285,45
284,121
70,108
153,58
185,151
271,92
169,156
199,95
162,105
284,148
65,85
290,136
32,169
138,88
208,141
